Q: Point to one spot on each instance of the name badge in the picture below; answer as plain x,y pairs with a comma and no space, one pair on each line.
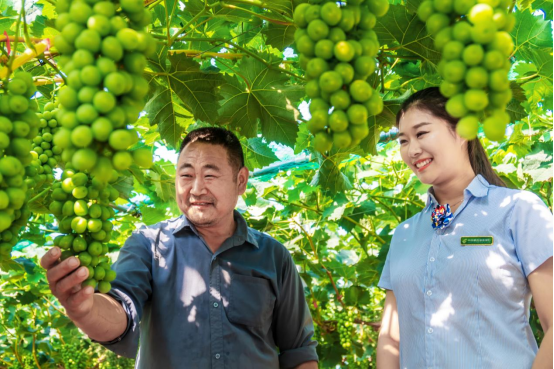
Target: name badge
476,241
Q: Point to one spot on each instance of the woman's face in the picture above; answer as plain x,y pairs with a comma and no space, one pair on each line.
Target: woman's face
430,148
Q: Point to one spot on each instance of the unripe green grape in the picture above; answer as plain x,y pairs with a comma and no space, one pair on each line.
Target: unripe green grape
143,157
476,100
122,160
467,127
443,37
494,128
455,106
473,54
342,140
483,33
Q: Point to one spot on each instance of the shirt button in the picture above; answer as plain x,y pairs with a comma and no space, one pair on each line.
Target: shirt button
430,330
429,293
217,356
432,259
216,304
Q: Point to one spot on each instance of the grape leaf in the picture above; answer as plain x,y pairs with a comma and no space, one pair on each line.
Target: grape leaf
330,178
164,110
539,88
257,153
403,30
544,5
195,88
369,144
183,81
124,185
279,36
530,32
164,186
152,215
260,95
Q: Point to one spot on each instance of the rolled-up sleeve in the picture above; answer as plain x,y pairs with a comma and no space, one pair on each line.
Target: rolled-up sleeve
293,325
132,288
531,229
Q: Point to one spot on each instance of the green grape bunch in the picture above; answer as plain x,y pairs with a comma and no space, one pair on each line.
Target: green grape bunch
81,204
103,47
475,43
345,326
338,47
46,155
18,125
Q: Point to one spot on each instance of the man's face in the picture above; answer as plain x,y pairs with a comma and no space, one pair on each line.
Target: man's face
207,187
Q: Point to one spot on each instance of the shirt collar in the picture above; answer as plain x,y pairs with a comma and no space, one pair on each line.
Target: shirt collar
242,233
479,187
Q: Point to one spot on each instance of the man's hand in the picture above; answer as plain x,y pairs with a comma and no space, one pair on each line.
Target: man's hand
65,278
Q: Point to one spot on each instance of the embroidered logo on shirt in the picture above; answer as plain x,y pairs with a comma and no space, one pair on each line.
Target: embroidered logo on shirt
476,241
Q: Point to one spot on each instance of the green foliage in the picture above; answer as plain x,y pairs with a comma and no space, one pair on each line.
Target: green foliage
224,63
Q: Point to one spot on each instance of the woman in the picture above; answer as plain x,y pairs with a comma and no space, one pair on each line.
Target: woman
460,274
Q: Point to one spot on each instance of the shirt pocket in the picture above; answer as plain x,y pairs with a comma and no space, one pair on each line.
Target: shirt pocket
251,301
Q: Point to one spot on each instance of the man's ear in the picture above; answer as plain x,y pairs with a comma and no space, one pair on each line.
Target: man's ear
242,179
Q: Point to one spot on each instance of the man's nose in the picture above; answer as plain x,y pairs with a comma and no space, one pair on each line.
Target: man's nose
198,186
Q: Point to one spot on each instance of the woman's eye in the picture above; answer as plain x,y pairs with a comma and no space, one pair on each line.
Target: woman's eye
402,142
419,134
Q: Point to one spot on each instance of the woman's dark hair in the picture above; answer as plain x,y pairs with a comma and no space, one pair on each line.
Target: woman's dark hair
432,101
221,137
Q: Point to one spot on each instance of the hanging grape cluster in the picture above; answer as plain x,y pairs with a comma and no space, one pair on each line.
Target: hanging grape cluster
112,361
475,43
82,206
46,155
104,47
345,325
337,47
18,125
75,356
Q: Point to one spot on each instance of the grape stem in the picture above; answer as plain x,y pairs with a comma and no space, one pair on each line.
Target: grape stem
42,193
311,242
268,19
20,39
200,53
259,4
55,67
35,351
12,57
198,15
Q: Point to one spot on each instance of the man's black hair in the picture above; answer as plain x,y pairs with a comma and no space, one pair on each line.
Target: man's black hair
218,136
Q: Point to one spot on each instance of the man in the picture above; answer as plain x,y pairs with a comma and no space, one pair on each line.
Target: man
202,290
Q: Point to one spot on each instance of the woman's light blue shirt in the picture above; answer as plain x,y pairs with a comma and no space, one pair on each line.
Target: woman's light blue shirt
468,306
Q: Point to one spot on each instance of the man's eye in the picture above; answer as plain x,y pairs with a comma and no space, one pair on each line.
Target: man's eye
186,176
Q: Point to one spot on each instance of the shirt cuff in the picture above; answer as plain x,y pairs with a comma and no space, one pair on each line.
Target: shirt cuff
129,321
292,358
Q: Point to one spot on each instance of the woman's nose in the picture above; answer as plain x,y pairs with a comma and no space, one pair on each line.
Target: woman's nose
414,149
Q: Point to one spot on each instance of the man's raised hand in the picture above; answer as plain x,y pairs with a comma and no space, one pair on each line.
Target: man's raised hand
65,278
